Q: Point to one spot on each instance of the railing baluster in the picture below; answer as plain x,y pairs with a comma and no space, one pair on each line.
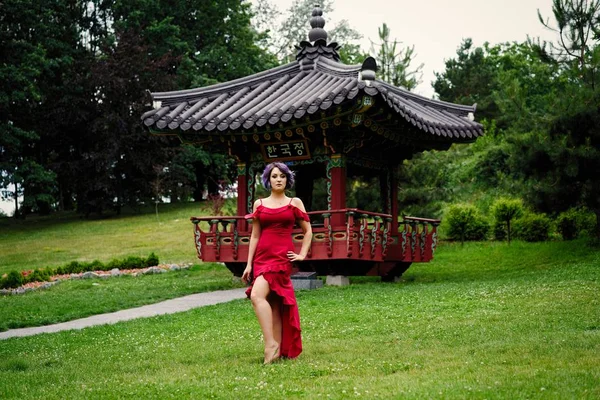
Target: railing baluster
214,227
423,240
374,234
361,240
350,233
413,239
384,241
329,237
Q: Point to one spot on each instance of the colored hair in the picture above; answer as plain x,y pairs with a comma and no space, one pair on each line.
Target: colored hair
266,181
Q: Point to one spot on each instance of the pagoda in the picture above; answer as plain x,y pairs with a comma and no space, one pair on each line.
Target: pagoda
328,120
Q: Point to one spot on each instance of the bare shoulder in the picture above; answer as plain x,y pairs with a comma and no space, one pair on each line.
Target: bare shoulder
257,203
298,203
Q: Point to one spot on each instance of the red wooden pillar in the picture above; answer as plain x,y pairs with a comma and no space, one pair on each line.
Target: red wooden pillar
337,171
242,199
393,193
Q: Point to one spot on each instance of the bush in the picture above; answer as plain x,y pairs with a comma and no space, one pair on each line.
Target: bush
505,211
575,222
112,264
132,263
96,266
152,260
39,275
13,279
533,227
74,267
465,223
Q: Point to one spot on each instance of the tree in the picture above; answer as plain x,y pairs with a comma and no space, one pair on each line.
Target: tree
578,27
561,162
295,26
505,211
36,43
393,62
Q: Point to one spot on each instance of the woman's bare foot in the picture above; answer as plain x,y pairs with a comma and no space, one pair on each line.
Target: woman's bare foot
271,353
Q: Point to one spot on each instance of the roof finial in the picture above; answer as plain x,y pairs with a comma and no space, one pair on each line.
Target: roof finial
317,22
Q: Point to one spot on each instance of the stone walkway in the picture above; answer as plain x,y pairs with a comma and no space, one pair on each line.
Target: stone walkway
165,307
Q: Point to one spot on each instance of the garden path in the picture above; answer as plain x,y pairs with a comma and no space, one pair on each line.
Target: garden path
165,307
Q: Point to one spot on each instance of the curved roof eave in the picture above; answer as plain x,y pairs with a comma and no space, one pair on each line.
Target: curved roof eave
293,90
182,95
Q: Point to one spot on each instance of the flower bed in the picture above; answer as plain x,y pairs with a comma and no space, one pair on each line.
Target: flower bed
101,274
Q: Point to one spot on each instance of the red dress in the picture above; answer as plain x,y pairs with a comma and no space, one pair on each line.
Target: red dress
271,261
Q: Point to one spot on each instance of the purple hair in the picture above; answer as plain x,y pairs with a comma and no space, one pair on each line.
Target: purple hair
266,181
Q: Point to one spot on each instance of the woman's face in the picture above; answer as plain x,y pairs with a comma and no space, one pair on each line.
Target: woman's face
278,179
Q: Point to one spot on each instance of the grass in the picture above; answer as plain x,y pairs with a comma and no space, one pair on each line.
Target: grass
483,320
81,298
59,239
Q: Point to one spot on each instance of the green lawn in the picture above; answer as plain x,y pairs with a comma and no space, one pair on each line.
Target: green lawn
60,239
483,321
81,298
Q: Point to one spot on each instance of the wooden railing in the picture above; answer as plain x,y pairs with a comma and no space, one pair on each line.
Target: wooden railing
365,235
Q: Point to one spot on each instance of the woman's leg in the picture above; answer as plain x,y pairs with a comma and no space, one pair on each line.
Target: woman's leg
264,314
276,303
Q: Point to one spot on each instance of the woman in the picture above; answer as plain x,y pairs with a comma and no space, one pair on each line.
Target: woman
270,257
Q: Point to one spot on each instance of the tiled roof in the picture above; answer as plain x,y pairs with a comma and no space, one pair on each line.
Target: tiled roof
293,91
314,83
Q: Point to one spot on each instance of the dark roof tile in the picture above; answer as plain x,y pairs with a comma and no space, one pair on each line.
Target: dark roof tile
316,82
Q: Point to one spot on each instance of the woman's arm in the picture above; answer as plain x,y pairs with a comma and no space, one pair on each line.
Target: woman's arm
252,245
306,229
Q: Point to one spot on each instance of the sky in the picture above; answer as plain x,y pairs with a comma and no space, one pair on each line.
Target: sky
437,27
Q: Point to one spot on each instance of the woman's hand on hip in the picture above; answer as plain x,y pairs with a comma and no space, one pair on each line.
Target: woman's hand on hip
295,257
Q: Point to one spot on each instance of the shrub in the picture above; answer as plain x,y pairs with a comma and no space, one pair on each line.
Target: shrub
15,279
533,227
151,261
112,264
132,262
575,222
465,223
74,267
12,280
97,266
39,275
505,211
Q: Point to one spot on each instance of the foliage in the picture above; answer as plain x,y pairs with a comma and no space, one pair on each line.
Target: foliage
505,211
425,182
31,61
575,222
74,82
393,62
465,223
12,279
532,227
74,267
538,105
282,39
469,79
151,261
577,24
364,193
